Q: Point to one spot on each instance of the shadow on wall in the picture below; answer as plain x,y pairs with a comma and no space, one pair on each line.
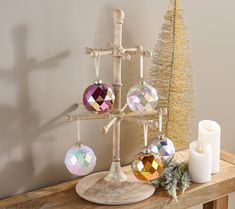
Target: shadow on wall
20,124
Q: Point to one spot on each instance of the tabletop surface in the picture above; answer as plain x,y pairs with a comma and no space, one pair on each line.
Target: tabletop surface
63,196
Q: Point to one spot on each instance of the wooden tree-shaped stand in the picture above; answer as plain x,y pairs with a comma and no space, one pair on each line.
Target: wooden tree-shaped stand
115,187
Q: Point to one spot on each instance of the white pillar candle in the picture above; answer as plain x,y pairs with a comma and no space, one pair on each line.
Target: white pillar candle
210,131
200,156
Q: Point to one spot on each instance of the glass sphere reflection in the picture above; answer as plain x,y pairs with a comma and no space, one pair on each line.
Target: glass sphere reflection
142,98
147,166
80,160
98,97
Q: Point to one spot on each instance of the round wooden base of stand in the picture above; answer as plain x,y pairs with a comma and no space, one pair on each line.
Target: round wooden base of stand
95,189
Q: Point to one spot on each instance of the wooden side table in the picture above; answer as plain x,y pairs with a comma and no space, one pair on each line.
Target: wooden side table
213,195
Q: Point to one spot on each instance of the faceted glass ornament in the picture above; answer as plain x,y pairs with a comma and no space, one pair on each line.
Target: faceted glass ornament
98,97
147,166
80,160
163,147
142,98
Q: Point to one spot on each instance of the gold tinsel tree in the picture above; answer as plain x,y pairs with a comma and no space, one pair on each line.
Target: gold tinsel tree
172,75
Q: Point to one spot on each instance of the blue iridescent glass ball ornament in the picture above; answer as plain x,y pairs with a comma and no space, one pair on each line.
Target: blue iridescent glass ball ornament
80,160
142,97
164,147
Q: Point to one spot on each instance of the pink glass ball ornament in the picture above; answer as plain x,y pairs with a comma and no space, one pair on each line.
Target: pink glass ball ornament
142,97
98,97
80,160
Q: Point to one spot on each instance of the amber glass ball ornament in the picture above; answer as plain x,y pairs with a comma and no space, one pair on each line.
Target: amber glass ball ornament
147,166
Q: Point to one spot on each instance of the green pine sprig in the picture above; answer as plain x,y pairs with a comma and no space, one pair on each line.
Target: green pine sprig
174,177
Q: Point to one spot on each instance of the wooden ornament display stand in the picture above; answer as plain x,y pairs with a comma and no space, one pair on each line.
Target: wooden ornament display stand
115,187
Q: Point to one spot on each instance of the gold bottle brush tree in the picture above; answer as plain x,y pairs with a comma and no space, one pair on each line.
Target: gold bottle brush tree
172,75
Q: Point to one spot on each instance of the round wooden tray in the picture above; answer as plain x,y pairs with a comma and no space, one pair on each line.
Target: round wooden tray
95,189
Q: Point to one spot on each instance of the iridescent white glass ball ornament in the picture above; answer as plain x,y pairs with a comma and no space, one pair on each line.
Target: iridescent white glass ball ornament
80,160
164,147
142,97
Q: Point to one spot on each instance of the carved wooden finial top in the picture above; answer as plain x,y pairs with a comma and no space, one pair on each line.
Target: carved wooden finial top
118,16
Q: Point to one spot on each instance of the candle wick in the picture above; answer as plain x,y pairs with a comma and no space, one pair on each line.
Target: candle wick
210,127
200,149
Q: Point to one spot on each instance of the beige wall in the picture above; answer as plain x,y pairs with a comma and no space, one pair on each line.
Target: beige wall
43,70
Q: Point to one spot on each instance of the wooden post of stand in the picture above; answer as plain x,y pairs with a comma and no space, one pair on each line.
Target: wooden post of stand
116,173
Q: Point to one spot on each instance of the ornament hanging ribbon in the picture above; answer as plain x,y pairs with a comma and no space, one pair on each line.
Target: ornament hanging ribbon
78,143
141,67
160,121
97,65
145,134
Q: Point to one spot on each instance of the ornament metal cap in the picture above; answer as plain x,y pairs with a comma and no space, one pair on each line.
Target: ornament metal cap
78,144
146,150
98,82
160,136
